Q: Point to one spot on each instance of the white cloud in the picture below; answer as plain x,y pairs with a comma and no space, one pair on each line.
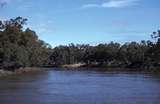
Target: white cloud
119,3
112,4
91,5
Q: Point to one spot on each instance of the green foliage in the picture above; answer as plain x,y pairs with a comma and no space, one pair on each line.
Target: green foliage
19,47
133,55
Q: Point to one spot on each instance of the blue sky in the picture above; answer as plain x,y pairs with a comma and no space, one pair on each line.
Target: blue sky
86,21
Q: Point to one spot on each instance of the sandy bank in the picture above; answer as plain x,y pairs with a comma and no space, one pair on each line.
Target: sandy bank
73,65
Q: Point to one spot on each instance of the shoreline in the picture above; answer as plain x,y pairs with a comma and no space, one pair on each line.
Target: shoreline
21,71
76,67
79,65
109,68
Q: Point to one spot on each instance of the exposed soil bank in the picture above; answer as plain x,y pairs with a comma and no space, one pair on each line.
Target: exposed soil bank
106,68
72,65
77,67
21,71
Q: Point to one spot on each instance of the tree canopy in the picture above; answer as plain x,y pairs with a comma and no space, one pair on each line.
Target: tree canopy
21,47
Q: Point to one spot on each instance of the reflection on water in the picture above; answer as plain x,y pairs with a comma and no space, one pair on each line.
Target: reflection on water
80,87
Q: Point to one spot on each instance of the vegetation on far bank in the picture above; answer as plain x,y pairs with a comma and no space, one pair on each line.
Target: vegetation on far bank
21,47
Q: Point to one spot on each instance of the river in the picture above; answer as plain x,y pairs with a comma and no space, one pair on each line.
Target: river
80,87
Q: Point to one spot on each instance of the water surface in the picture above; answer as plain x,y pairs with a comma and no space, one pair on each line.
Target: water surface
80,87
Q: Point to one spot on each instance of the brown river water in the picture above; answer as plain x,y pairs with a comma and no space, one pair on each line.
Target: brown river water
80,87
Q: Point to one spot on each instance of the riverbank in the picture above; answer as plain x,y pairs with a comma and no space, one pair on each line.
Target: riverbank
21,71
106,68
79,65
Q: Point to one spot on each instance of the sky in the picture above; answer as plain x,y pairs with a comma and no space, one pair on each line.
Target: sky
60,22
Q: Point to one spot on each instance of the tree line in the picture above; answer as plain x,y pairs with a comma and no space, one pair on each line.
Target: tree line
21,47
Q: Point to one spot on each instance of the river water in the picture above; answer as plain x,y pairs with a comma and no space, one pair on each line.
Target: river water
80,87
